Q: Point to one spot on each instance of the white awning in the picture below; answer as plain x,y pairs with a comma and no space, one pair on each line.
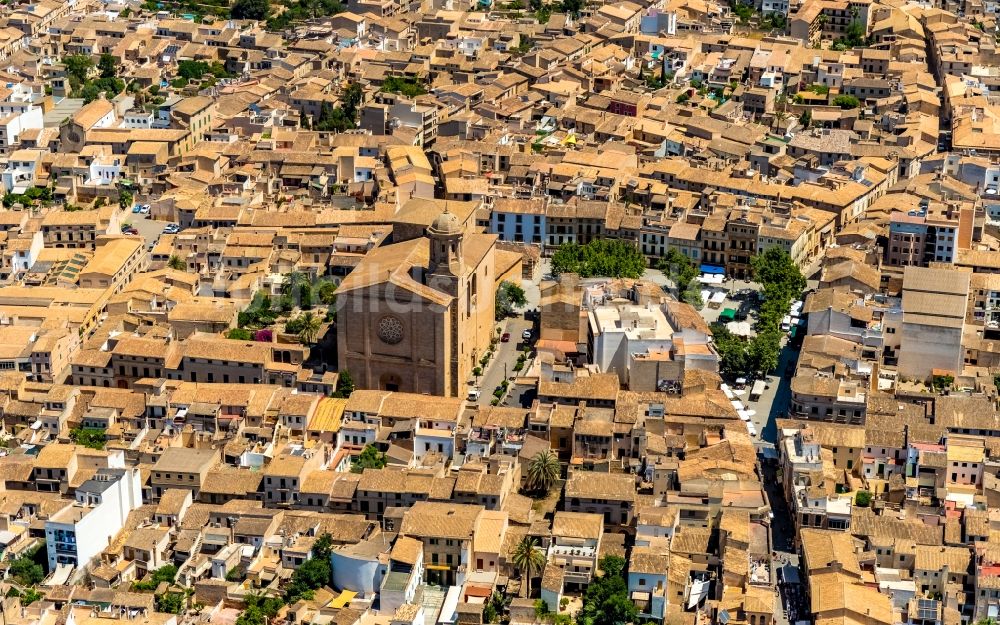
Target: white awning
699,589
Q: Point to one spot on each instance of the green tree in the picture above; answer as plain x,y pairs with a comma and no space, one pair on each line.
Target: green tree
846,102
259,610
606,600
502,308
573,7
125,198
89,93
508,296
29,596
176,262
489,613
342,117
345,384
732,351
192,70
327,293
494,608
108,65
250,9
774,268
942,382
312,574
529,560
369,458
403,86
543,471
855,35
170,602
611,258
165,574
516,294
679,269
292,283
310,327
781,281
743,11
764,350
78,67
323,546
806,118
863,499
239,334
25,570
251,616
92,438
297,288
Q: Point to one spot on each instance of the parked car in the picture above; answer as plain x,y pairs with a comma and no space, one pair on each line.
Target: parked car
505,338
474,394
136,208
145,209
526,335
171,229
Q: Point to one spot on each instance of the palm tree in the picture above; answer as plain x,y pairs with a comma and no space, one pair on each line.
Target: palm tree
311,325
543,471
176,262
529,559
779,118
292,282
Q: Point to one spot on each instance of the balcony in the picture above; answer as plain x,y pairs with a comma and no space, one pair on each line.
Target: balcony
66,549
480,436
422,430
569,558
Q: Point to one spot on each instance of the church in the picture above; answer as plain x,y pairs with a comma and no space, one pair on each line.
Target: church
416,316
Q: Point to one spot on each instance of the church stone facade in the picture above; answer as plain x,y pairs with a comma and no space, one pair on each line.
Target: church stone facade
417,316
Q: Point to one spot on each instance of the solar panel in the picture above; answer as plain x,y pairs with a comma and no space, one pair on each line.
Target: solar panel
927,609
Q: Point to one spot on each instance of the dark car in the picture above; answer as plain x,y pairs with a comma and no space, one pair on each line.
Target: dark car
505,338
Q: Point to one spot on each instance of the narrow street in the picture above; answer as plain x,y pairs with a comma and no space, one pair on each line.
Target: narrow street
506,354
776,398
793,601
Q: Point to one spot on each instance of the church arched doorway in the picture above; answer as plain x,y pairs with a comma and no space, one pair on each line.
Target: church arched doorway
390,382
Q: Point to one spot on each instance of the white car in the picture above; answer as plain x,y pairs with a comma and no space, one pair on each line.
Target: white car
526,335
474,394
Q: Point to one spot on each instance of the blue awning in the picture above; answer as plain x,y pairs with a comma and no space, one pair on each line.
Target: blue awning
713,269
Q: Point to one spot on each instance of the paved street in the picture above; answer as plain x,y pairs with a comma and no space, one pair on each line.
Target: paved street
506,354
792,595
775,400
149,229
